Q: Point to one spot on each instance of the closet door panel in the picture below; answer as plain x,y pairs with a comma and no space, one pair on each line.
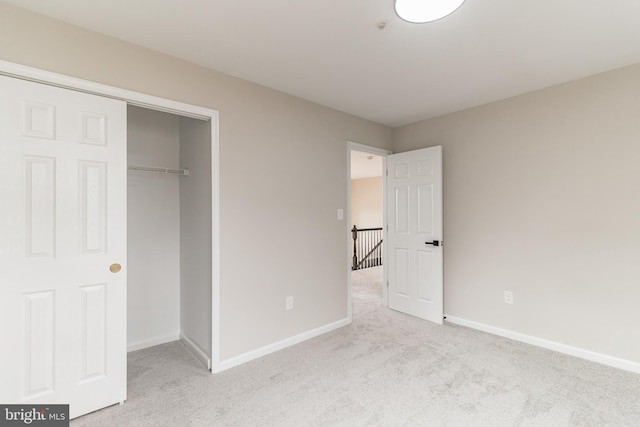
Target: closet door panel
62,247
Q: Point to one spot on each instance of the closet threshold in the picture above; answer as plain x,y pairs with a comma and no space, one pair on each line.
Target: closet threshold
170,171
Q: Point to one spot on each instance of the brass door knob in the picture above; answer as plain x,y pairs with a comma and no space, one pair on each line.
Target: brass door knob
114,268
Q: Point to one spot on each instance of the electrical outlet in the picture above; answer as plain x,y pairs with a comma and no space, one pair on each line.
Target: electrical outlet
289,303
508,297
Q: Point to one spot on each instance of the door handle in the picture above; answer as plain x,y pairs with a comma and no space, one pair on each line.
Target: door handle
434,243
115,268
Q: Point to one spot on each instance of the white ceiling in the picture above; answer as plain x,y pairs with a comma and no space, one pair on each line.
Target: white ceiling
365,165
331,51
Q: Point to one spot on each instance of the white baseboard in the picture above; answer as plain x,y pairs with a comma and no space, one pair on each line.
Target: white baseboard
271,348
151,342
195,349
604,359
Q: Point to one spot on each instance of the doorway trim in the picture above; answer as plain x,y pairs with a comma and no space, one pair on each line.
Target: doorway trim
36,75
355,146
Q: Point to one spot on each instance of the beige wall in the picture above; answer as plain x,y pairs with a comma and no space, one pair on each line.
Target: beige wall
541,198
366,202
283,174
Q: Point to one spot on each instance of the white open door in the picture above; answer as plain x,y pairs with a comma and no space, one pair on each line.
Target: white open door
62,247
414,236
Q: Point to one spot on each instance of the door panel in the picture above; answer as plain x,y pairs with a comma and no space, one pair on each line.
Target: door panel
39,341
426,283
62,224
93,215
401,206
402,273
425,213
414,188
40,206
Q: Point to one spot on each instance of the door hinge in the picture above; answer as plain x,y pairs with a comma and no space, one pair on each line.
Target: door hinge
387,171
387,283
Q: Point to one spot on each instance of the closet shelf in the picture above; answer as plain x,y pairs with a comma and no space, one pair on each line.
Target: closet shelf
179,172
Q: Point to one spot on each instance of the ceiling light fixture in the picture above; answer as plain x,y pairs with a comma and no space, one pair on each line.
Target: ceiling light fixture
422,11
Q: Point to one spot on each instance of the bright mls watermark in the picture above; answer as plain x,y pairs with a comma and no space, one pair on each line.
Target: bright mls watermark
34,415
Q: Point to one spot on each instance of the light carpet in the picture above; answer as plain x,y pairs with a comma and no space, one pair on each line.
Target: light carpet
385,369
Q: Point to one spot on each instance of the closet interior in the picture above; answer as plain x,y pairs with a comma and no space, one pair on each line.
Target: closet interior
169,231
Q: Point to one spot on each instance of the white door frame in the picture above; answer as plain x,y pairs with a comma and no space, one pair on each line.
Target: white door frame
382,153
169,106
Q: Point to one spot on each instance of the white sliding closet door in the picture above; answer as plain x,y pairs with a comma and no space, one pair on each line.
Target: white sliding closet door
62,247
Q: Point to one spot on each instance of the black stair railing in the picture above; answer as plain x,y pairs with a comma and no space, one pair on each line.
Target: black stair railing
367,247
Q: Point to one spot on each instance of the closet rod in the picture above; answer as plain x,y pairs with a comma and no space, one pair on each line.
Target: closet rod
180,172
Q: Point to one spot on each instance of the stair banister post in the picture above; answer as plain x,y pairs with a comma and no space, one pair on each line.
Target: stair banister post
354,232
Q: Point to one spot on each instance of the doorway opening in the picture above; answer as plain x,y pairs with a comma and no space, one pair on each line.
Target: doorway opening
366,222
412,231
169,237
